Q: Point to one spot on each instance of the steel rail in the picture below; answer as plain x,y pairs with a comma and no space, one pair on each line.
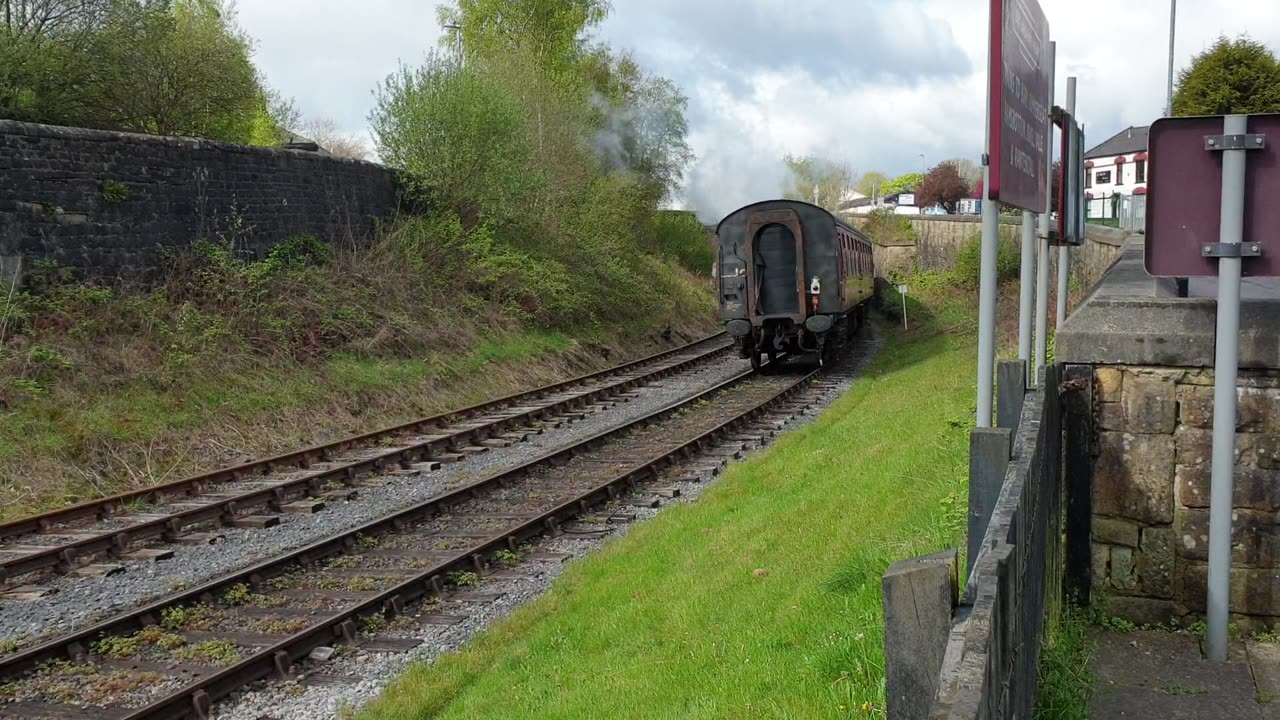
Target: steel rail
196,698
117,541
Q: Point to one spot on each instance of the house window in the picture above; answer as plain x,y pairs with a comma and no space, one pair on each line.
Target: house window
1088,178
1141,170
1102,177
1119,174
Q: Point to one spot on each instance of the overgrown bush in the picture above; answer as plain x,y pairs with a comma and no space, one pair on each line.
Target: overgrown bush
889,228
682,236
967,271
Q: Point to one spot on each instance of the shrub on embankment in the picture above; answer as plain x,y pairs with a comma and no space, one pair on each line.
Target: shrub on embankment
107,388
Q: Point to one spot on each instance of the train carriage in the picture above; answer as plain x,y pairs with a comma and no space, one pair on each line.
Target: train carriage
792,278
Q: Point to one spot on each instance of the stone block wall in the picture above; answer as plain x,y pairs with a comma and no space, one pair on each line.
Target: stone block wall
108,203
1150,504
939,239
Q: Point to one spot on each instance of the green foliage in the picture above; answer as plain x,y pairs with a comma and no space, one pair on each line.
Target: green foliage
456,135
889,228
1065,680
506,558
181,67
210,652
967,270
824,183
113,192
463,579
871,183
907,182
1233,76
552,32
237,594
117,647
1117,624
681,235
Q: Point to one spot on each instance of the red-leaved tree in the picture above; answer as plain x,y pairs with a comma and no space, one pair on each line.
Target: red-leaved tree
944,185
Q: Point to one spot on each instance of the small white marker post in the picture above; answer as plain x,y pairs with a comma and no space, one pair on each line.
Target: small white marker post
902,290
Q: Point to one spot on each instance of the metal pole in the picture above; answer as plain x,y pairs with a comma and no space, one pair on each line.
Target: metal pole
1173,19
1042,249
1225,368
987,275
1064,252
1026,298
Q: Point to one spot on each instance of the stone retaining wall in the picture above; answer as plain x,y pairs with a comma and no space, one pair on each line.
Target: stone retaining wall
1151,492
109,203
1143,484
939,239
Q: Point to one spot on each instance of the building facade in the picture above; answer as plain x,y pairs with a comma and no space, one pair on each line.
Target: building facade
1115,173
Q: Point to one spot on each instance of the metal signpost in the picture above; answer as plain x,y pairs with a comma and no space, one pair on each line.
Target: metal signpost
1017,86
1205,171
902,290
1072,174
1042,246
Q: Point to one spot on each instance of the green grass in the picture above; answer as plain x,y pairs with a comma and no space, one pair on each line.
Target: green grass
1065,679
762,599
149,415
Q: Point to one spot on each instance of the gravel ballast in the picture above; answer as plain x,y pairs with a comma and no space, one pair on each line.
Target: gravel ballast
354,677
78,602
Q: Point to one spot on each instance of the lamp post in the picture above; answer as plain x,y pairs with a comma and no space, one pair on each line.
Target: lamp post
922,171
1173,17
457,34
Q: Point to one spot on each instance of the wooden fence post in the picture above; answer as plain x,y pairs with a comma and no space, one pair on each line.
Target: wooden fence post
1011,389
1077,437
989,453
919,596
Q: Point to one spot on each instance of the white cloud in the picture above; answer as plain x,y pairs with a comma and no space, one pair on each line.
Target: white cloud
873,83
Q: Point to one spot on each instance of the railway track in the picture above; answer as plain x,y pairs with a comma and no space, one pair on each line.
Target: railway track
136,525
176,657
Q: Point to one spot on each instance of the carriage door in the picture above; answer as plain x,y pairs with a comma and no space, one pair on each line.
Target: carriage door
777,259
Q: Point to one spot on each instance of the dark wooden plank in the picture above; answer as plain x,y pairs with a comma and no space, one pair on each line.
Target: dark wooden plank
989,452
1077,402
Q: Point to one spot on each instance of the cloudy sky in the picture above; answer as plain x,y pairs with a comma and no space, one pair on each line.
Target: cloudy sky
873,83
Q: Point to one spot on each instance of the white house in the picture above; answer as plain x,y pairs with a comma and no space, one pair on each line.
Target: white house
1117,166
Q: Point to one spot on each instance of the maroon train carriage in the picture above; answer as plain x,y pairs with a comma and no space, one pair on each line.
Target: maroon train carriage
792,278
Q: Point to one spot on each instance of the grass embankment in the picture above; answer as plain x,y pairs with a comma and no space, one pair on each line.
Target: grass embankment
762,599
106,388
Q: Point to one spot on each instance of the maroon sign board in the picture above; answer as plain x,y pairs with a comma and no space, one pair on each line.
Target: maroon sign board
1019,113
1184,197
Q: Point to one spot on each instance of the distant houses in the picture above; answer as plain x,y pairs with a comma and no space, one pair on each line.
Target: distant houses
1117,166
900,203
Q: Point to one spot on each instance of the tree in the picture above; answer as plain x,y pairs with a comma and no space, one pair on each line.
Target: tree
325,133
185,70
1233,76
824,183
870,183
551,31
968,169
172,67
456,133
641,125
943,186
903,183
44,56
